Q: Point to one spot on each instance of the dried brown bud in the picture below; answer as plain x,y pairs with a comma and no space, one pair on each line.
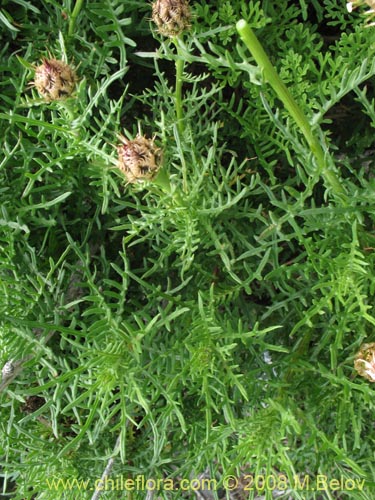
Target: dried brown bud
172,17
138,159
54,79
364,362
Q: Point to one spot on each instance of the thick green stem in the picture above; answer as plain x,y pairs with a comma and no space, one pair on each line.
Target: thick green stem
270,74
66,106
74,15
162,180
178,89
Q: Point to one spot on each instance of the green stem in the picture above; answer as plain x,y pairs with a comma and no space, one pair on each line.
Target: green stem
178,89
74,15
270,74
162,180
67,107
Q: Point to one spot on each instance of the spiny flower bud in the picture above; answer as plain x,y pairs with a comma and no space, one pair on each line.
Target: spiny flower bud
54,79
172,17
138,159
364,362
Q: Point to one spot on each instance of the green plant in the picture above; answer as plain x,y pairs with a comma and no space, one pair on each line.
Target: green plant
204,323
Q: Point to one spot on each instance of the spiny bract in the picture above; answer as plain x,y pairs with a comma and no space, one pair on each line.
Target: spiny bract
139,159
54,79
364,362
172,17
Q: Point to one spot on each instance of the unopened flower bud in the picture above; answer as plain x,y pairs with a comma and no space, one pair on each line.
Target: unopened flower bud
364,362
139,159
172,17
54,79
